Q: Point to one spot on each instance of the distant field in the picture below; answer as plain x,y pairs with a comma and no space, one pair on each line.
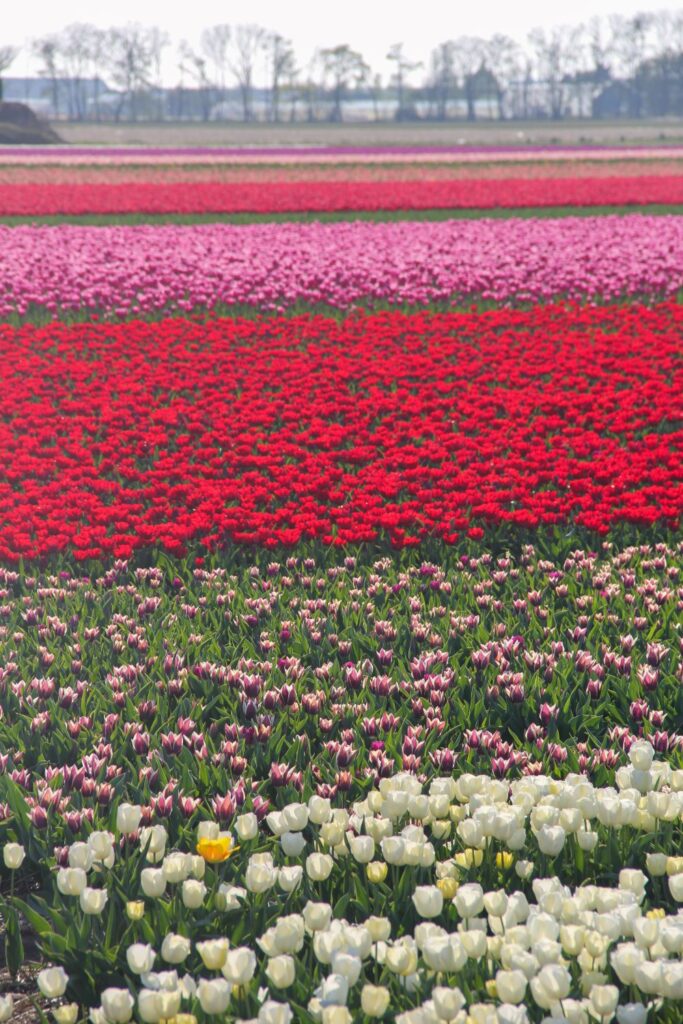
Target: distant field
426,134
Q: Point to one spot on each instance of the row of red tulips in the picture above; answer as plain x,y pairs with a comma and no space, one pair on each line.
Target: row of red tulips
190,197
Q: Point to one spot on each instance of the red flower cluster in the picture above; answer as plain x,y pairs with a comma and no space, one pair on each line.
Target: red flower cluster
317,196
114,437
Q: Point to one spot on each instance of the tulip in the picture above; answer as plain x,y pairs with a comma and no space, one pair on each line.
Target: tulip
71,881
448,1002
281,971
377,872
550,839
374,1000
52,982
246,826
632,1013
274,1013
289,878
80,856
93,901
140,957
128,817
214,995
604,1000
13,855
135,910
67,1013
7,1007
193,893
117,1004
239,966
676,887
292,843
153,882
428,900
469,900
362,848
213,953
175,948
511,986
319,866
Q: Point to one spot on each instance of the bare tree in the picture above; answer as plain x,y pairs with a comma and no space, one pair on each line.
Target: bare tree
214,44
556,52
343,67
467,54
441,79
403,69
282,68
503,58
247,41
46,49
195,65
133,54
7,55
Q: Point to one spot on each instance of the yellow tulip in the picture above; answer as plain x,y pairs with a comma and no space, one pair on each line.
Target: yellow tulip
216,850
504,860
448,886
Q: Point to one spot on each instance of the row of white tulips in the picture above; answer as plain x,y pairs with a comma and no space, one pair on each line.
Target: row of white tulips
475,955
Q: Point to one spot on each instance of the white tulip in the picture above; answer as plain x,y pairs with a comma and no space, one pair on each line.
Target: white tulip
293,844
153,882
319,866
289,878
275,1013
281,971
7,1007
71,881
246,826
117,1004
140,957
511,986
193,893
213,953
428,900
52,982
239,966
448,1002
317,916
469,900
374,1000
93,901
128,817
214,995
13,855
175,948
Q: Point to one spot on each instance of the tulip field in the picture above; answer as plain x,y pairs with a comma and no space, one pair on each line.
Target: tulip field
341,586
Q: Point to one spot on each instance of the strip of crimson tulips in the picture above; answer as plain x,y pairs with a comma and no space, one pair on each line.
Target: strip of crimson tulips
116,437
44,199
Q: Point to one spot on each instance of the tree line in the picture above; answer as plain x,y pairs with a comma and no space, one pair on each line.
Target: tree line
618,66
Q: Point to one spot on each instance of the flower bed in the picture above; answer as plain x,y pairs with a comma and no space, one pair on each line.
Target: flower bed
116,437
25,200
119,270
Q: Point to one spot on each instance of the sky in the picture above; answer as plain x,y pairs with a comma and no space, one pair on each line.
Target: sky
370,26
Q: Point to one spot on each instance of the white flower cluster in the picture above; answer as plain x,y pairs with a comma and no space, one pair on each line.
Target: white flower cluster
570,953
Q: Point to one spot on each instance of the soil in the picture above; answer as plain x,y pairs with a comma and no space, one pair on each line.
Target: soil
513,133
